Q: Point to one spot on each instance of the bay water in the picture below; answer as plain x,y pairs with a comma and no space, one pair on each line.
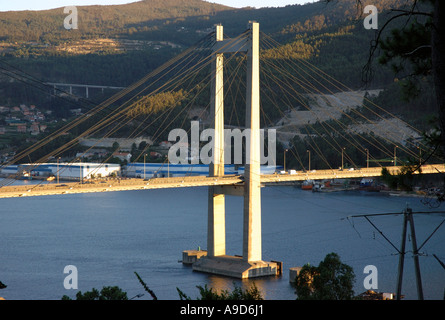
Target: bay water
110,236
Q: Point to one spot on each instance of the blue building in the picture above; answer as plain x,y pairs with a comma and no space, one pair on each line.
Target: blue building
160,170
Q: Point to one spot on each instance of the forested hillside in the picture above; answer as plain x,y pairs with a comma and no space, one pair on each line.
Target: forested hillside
131,40
101,21
118,45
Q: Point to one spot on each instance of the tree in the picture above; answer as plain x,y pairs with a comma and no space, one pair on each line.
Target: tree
403,180
2,286
107,293
389,179
417,48
146,288
115,146
143,145
116,293
331,280
238,293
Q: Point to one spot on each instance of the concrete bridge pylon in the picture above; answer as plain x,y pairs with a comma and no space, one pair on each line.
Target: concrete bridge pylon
250,264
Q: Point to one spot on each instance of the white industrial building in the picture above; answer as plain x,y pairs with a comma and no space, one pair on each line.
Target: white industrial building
64,171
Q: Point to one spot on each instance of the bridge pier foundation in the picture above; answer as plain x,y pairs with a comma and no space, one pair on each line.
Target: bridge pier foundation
236,267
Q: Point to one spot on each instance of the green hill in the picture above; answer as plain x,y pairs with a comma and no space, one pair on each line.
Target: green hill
98,21
118,45
134,38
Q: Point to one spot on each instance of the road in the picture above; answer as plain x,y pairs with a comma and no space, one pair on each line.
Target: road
194,181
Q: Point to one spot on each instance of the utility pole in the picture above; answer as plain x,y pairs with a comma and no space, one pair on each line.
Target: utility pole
309,152
58,170
144,165
395,156
401,259
416,256
284,160
367,158
342,158
420,156
408,218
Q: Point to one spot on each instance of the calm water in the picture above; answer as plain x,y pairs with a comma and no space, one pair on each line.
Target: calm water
109,236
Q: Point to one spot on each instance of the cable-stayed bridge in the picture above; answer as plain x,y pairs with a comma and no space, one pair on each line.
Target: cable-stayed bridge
181,84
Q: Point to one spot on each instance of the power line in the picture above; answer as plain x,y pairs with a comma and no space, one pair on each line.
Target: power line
407,218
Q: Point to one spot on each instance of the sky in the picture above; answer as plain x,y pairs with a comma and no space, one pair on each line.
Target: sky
8,5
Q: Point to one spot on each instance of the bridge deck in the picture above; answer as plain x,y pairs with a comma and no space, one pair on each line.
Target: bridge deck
346,174
192,181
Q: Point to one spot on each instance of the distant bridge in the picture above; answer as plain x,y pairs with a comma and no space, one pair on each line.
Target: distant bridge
86,86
